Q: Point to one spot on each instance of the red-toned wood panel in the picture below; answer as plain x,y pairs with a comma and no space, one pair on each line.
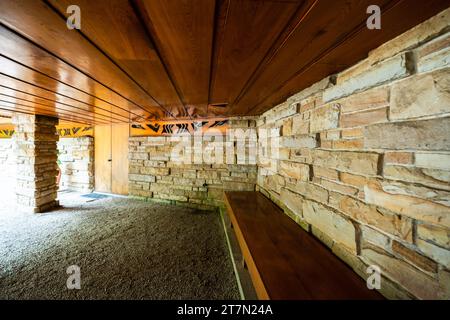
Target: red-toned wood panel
125,40
26,53
20,88
39,23
17,71
36,110
21,98
183,33
246,30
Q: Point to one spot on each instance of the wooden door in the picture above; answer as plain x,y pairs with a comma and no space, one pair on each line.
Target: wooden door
111,158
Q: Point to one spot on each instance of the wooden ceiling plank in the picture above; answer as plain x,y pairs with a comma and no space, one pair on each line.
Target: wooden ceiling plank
183,33
36,101
143,19
17,71
23,87
24,52
44,113
246,32
126,43
13,103
297,18
36,21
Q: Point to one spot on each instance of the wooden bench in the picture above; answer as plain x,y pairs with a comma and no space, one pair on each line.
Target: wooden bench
285,261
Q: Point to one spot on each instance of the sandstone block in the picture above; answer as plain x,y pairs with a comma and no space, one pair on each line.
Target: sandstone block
371,99
397,67
434,54
141,177
355,162
432,160
418,283
292,200
434,234
398,157
414,257
421,95
435,252
310,191
419,135
294,170
324,118
299,126
332,224
304,141
429,177
325,173
370,215
363,118
409,206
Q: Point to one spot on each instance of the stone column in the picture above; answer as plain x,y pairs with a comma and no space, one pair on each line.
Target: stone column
35,140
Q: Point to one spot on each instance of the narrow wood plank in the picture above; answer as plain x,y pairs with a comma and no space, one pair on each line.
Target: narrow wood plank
21,89
26,53
16,103
245,33
38,22
183,33
8,108
125,41
79,108
290,262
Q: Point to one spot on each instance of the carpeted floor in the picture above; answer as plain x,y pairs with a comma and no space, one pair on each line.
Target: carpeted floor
126,249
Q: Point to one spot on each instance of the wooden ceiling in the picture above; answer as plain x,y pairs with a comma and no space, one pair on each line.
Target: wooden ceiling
182,59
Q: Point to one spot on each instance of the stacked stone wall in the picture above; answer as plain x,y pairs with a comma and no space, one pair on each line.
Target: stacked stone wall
364,162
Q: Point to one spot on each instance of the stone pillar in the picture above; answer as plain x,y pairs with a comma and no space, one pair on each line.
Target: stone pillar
35,140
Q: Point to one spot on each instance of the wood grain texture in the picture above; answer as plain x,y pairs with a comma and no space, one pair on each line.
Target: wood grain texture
177,59
285,261
245,32
21,51
37,22
125,41
183,30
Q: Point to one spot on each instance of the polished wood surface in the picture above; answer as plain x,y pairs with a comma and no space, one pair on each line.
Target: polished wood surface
23,52
285,261
141,60
39,23
184,32
126,42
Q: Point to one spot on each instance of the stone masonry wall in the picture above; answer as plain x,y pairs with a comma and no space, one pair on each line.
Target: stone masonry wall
156,173
34,142
76,161
364,162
